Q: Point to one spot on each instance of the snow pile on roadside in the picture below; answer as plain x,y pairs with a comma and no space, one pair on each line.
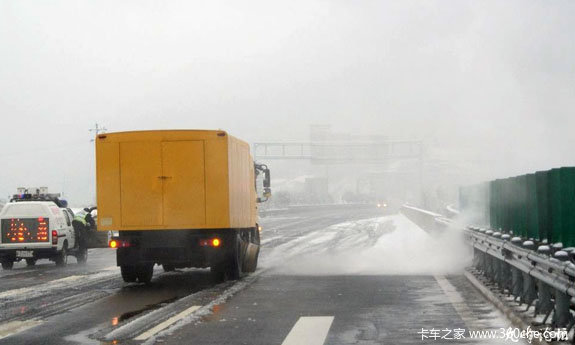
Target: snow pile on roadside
386,245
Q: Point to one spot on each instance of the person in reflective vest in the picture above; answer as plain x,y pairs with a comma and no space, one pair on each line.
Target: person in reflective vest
80,227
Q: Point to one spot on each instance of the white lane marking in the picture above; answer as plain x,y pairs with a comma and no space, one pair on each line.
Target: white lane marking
13,327
167,323
309,330
457,301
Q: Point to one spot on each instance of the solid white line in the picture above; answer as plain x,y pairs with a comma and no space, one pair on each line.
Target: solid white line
167,323
309,330
13,327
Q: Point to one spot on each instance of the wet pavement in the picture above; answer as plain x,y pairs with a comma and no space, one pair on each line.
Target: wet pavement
276,305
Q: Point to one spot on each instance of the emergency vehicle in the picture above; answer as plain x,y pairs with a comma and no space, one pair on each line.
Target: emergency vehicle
36,225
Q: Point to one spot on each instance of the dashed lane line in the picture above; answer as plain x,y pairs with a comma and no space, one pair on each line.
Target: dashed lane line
309,330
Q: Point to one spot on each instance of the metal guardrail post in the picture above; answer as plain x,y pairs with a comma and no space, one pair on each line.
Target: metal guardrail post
506,273
500,275
517,282
562,316
529,289
491,261
544,303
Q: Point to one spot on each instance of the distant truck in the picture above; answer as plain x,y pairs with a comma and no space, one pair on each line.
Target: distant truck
179,198
36,225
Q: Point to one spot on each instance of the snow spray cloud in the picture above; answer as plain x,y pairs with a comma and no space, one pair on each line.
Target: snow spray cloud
387,245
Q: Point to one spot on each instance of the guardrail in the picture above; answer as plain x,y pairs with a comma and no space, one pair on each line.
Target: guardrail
545,276
541,275
427,220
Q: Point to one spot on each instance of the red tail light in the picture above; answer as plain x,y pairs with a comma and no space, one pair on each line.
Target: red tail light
118,243
54,237
213,242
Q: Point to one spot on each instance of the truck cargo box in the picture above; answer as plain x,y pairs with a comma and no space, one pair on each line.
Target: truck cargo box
174,180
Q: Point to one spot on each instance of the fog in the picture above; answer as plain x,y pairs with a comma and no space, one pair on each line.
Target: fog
489,86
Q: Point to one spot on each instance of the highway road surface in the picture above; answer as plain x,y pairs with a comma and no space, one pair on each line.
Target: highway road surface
327,275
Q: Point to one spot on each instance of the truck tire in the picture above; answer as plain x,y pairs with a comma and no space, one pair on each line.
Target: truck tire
252,252
252,264
145,273
236,260
168,268
30,262
82,255
129,273
62,257
7,264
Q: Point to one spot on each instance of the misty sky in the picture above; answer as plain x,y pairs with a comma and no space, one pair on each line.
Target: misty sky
488,81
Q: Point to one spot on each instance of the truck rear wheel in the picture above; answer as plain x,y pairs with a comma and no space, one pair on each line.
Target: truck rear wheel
7,264
236,259
129,273
145,273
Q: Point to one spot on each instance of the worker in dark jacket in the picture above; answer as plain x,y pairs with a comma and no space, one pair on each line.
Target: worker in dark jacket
81,226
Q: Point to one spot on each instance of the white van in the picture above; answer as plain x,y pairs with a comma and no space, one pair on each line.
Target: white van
37,229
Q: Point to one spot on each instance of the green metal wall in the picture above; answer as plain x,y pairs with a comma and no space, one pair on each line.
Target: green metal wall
540,206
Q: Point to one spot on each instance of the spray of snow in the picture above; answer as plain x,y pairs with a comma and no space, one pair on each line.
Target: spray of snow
386,245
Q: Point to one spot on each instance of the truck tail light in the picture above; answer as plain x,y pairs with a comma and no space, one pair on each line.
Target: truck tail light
54,237
212,242
118,243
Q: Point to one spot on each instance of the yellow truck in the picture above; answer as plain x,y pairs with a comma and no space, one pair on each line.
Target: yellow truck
179,198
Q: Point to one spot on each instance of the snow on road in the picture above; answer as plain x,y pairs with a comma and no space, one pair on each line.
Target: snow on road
384,245
71,282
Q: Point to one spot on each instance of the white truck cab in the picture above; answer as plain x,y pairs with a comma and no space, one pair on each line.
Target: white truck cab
36,226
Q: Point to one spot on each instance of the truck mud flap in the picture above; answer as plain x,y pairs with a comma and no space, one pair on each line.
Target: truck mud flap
251,257
96,239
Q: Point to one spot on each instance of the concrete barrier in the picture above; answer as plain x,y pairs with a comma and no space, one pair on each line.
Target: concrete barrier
427,220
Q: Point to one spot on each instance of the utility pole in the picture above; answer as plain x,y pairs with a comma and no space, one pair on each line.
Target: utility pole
97,130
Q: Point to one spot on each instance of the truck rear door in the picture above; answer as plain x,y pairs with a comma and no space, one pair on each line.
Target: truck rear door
141,183
163,183
184,191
